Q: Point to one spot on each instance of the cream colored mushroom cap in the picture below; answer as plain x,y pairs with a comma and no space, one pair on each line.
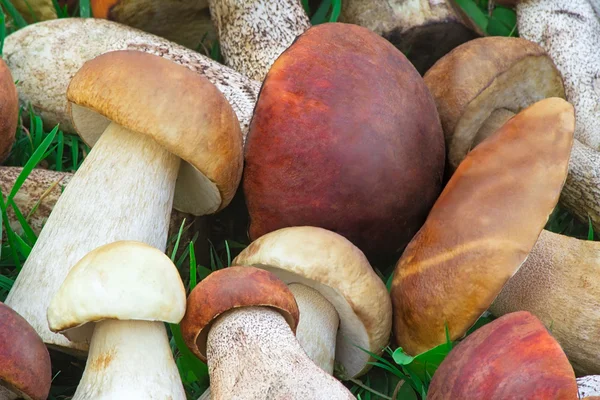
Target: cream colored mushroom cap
331,264
124,280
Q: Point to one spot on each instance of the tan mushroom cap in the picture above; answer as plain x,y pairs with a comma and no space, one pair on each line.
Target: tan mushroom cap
482,76
332,265
230,288
482,227
179,109
124,280
24,359
9,110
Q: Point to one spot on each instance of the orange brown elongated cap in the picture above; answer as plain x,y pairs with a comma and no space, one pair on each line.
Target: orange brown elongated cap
482,227
9,110
229,288
24,359
180,109
512,357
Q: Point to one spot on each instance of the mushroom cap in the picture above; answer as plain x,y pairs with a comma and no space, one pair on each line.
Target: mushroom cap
179,109
482,227
332,265
484,75
124,280
24,359
513,357
346,149
9,110
230,288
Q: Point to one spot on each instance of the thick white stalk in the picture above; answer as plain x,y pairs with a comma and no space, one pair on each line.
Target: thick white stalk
253,354
122,191
130,360
318,326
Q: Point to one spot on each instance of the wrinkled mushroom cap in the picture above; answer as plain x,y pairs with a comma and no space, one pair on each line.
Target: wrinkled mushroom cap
24,359
509,358
124,280
9,110
485,75
230,288
179,109
482,227
332,265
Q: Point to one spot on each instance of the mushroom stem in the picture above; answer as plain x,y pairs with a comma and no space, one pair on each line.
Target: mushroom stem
6,394
496,119
253,354
318,326
123,190
130,360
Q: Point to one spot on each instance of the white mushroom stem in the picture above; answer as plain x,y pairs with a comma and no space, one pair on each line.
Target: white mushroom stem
122,191
252,34
318,326
253,354
589,386
130,360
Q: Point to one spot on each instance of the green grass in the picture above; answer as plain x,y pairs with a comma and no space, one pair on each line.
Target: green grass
396,375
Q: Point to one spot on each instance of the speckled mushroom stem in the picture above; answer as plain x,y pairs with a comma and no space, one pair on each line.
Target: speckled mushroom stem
253,33
253,354
589,386
130,360
123,190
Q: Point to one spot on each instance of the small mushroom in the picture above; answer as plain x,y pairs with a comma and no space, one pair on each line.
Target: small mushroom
424,30
163,137
346,149
241,320
345,308
25,370
45,56
9,111
482,227
123,292
512,357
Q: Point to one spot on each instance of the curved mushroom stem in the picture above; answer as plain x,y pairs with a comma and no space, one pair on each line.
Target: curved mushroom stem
253,354
130,360
496,119
318,326
252,34
123,190
6,394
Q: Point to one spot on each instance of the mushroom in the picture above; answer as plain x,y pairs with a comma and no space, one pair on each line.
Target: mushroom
241,321
123,292
482,227
570,32
346,149
184,22
334,286
45,56
9,111
252,34
25,370
182,149
36,10
511,357
589,386
424,30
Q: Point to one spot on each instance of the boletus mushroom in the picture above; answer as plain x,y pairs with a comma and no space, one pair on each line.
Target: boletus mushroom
163,137
241,321
345,307
25,370
512,357
348,150
482,227
589,387
123,292
9,111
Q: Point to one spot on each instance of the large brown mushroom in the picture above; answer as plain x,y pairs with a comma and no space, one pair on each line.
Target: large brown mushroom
9,110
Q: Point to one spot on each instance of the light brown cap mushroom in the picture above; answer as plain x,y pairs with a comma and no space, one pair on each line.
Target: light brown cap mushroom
482,227
183,112
9,110
231,288
25,368
340,272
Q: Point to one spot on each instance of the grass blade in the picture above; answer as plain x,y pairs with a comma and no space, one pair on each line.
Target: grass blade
29,234
85,11
193,267
2,32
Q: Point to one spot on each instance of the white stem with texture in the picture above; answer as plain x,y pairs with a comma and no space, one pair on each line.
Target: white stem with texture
122,191
253,354
130,360
6,394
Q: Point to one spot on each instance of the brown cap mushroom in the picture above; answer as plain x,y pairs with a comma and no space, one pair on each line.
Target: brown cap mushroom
348,150
512,357
482,227
25,370
334,285
9,111
242,321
